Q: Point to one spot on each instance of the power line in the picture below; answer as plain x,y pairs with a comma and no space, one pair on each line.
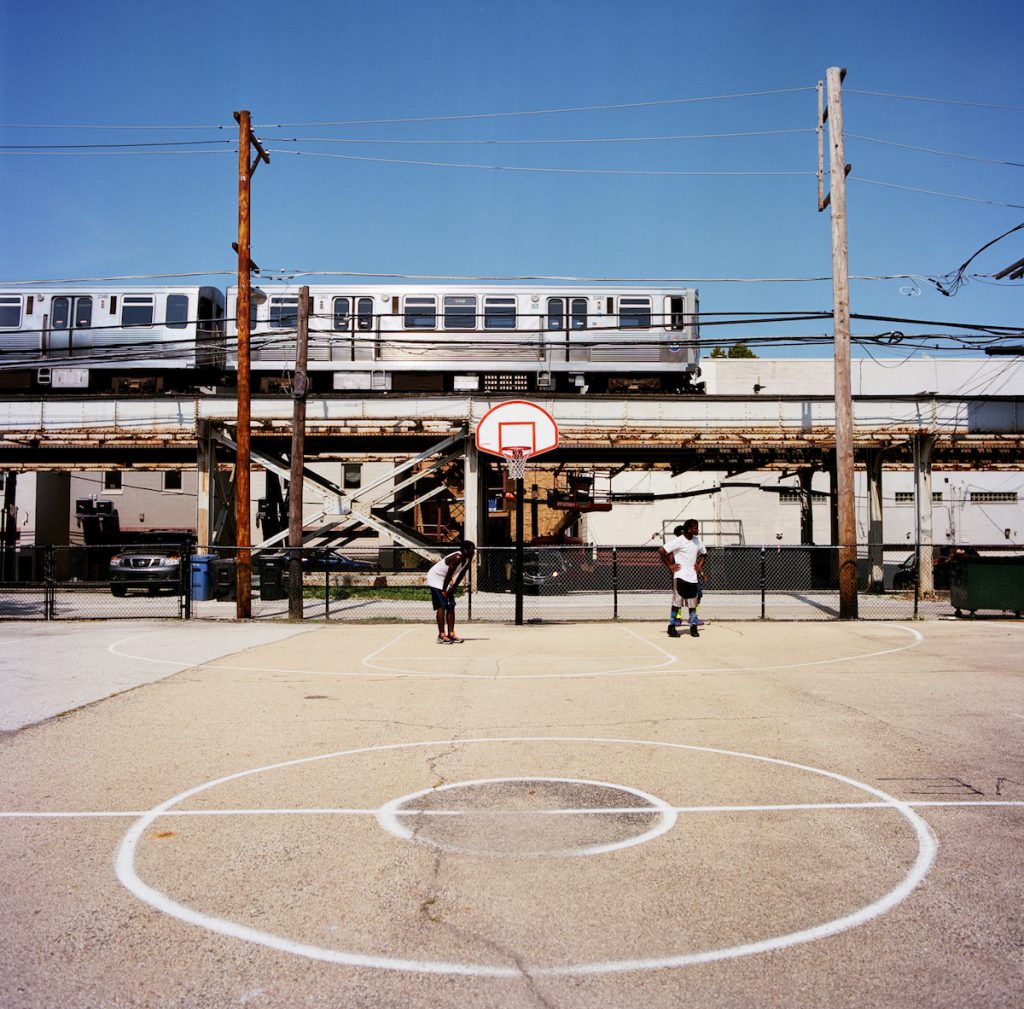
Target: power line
512,168
580,140
932,150
940,101
154,143
538,112
932,192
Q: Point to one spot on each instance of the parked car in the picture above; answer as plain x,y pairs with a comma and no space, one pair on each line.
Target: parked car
544,572
153,569
325,559
943,560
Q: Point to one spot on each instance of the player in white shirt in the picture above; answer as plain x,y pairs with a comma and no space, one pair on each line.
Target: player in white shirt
684,556
442,580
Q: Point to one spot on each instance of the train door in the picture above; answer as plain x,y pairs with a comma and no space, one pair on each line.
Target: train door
563,316
353,315
70,327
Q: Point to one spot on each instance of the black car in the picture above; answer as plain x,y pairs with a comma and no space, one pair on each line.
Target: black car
151,569
544,572
943,560
325,559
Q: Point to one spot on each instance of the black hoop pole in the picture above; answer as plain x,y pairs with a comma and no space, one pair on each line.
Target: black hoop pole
519,552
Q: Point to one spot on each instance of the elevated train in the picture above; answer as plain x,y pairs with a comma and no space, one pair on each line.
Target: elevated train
362,339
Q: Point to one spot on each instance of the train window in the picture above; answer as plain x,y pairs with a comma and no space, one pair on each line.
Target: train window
177,311
284,312
60,314
10,312
460,311
364,314
556,313
137,311
635,313
420,313
579,313
342,307
499,313
83,313
677,311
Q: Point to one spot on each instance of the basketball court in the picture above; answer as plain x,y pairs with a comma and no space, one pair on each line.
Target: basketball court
549,815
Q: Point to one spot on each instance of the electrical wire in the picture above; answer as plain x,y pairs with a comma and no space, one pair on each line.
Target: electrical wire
537,112
504,143
932,192
932,150
515,168
939,101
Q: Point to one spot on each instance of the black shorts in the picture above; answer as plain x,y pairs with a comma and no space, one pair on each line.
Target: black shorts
688,592
442,600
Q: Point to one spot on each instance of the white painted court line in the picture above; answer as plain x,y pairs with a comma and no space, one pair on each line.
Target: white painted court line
389,816
464,655
796,807
127,874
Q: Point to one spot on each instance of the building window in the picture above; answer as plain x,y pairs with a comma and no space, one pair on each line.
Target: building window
499,313
908,497
10,312
460,311
351,475
137,311
993,497
172,479
177,311
112,480
793,496
420,313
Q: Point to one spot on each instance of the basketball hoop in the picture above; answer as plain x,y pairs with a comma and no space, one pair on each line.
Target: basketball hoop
515,457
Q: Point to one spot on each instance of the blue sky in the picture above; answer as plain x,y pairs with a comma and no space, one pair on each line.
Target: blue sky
192,64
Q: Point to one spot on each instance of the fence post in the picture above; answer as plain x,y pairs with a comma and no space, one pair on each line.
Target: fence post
764,579
327,592
186,580
615,583
917,581
49,587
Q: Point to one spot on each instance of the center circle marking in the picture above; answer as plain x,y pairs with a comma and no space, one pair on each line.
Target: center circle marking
515,795
127,874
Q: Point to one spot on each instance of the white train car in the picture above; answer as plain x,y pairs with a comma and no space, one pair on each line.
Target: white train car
111,339
476,338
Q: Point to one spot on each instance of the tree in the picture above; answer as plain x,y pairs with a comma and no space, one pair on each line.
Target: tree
736,350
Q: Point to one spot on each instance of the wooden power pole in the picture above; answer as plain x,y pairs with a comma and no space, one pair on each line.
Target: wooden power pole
836,199
300,384
243,494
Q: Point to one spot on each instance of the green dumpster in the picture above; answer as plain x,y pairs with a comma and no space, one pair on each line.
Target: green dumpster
987,583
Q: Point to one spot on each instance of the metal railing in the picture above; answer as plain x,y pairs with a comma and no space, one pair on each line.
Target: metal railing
563,583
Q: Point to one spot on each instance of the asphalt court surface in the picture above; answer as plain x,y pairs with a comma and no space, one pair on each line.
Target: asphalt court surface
572,815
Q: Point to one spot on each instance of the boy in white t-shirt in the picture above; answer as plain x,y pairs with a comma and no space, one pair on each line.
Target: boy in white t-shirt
684,556
442,580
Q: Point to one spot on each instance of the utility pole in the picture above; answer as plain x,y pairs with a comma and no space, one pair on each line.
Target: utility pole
300,385
846,540
243,580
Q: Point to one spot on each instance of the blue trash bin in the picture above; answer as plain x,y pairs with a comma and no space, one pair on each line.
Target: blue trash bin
202,577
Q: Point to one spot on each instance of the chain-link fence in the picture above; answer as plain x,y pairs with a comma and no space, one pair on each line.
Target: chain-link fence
559,583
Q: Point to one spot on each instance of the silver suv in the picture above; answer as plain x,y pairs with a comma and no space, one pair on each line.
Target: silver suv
152,569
